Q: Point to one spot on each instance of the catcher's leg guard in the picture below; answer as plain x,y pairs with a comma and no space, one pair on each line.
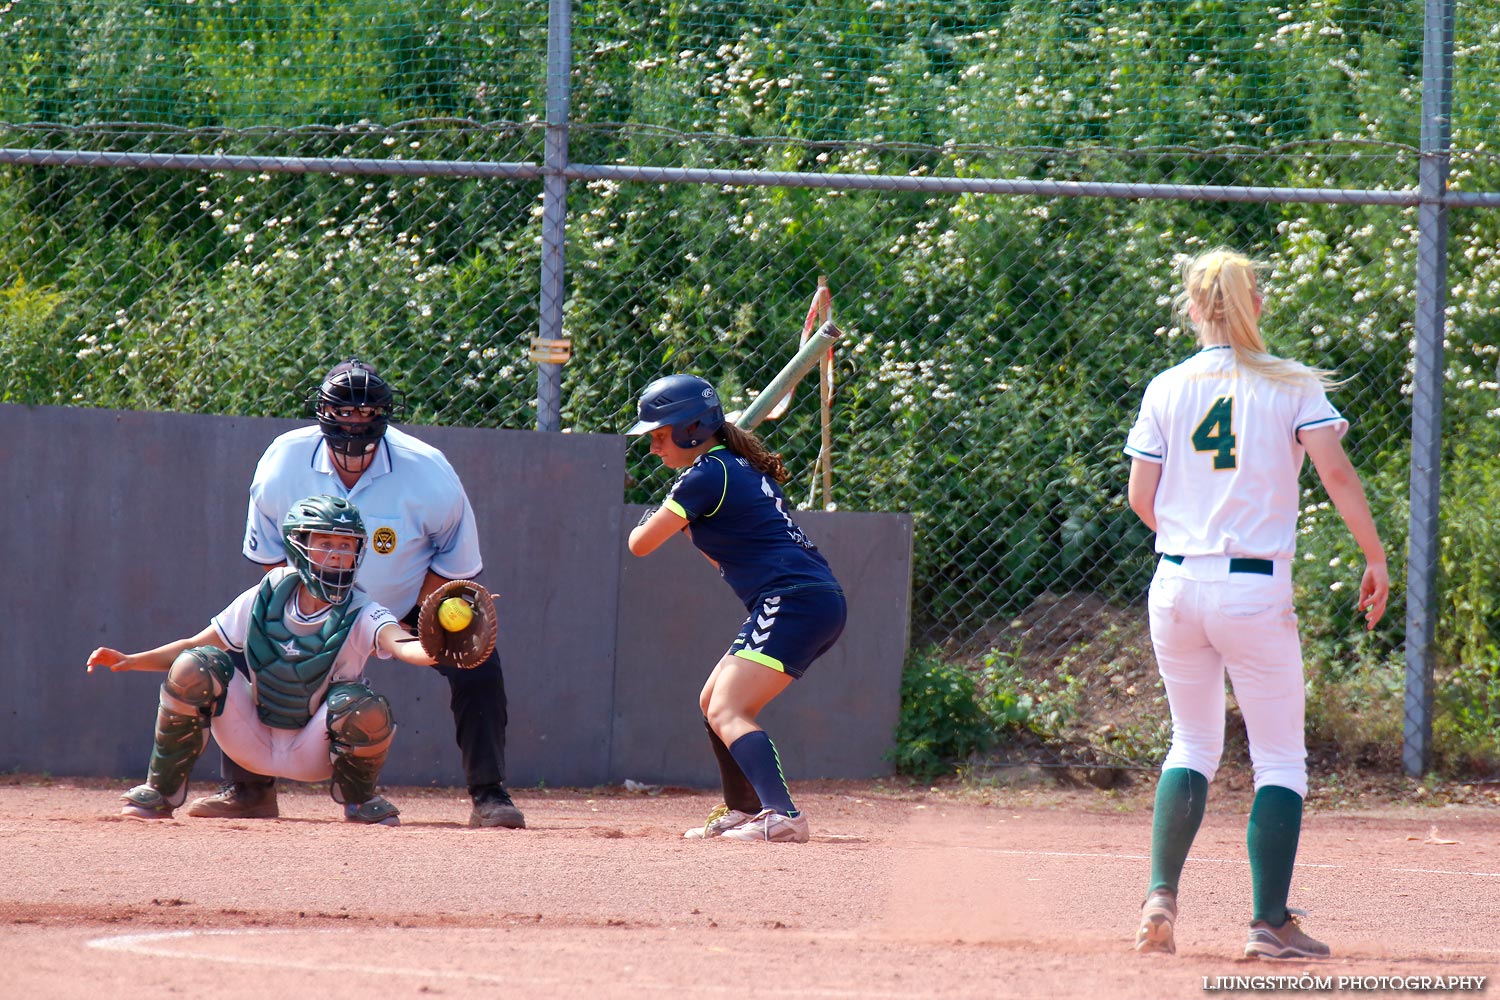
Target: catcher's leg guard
195,684
360,729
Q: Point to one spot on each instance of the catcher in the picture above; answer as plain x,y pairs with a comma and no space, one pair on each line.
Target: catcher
301,708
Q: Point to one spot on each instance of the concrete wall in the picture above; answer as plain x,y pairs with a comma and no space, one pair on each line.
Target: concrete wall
124,529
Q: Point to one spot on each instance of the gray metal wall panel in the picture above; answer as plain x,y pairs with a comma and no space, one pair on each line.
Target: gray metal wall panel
677,618
124,529
125,536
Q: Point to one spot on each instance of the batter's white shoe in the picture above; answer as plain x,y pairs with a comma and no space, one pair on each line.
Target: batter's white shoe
1286,941
768,824
721,819
1158,914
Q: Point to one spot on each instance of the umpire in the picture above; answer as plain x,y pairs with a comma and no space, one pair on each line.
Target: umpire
422,534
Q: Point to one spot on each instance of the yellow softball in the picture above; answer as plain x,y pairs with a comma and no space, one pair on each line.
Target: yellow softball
454,614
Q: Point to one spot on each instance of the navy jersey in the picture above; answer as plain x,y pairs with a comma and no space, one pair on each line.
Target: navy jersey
738,518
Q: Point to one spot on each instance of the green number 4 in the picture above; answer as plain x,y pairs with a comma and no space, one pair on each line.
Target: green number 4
1215,432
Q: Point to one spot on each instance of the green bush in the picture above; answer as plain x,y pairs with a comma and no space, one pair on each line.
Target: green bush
941,719
1466,729
953,709
30,367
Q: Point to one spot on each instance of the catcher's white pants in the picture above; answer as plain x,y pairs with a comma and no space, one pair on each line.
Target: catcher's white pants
1205,621
298,754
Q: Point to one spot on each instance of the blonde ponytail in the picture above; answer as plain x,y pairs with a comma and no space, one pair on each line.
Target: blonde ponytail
1220,298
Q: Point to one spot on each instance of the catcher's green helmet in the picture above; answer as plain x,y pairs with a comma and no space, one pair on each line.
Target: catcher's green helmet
329,516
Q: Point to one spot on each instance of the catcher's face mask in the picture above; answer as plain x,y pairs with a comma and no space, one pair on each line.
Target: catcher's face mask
331,552
325,543
353,407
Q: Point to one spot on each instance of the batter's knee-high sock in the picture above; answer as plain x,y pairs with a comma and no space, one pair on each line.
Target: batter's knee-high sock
756,755
738,792
1180,797
1271,840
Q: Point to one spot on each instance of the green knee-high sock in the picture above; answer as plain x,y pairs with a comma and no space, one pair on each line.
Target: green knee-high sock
1271,840
1180,797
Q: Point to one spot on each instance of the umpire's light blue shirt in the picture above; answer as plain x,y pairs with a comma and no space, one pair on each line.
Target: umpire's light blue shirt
415,510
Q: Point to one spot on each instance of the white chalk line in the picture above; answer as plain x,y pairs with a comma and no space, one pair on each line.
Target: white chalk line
1225,861
146,945
152,946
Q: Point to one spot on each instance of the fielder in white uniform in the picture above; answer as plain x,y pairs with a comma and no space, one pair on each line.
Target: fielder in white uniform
298,754
1215,457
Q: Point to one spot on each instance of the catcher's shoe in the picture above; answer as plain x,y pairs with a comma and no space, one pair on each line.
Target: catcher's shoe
721,819
768,824
1158,914
493,807
145,802
373,812
237,800
1286,941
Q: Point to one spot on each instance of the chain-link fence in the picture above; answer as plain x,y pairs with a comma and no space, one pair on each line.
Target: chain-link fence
205,203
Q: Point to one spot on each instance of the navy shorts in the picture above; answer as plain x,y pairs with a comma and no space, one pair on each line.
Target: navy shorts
788,631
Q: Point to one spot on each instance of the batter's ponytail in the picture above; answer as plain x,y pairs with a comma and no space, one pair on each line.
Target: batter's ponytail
1220,298
749,447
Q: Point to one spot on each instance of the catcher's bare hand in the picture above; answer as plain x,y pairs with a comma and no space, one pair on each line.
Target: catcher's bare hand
113,659
467,647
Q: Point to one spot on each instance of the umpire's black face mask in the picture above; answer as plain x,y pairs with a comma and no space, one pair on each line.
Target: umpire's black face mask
353,443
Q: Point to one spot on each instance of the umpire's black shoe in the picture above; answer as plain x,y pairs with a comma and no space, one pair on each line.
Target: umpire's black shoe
238,800
493,807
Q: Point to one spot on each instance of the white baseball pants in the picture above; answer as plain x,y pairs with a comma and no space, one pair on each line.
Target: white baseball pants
1206,621
298,754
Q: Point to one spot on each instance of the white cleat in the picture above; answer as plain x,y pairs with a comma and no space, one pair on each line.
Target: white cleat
1158,914
721,819
768,824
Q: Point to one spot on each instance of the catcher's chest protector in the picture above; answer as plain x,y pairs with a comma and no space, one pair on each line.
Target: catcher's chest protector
288,672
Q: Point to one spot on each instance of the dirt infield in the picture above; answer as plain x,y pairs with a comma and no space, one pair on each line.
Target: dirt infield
902,893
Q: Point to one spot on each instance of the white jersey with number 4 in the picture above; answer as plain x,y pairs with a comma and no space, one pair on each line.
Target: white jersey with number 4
1227,443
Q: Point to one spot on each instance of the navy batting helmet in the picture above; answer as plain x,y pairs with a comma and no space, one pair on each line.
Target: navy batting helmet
685,403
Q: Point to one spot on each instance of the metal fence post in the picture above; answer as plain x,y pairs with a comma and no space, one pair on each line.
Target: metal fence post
1427,383
554,213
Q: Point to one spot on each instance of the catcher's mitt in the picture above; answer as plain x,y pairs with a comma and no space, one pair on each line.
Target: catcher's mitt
466,647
